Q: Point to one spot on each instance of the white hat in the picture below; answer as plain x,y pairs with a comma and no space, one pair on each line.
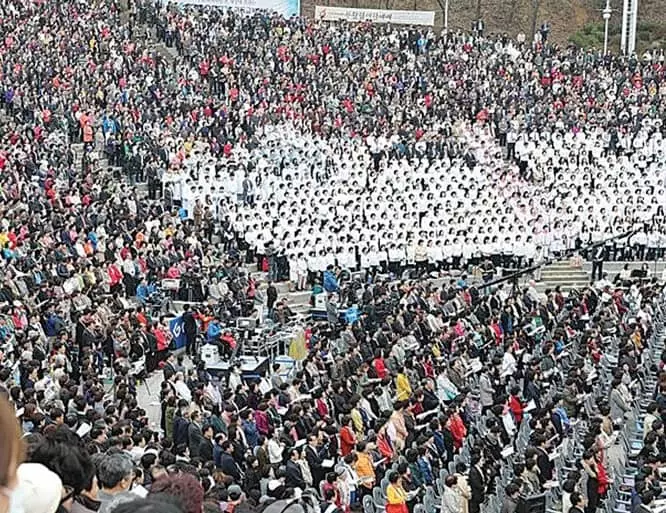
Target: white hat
41,489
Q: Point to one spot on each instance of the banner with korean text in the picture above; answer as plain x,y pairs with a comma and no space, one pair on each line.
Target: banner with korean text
286,8
375,15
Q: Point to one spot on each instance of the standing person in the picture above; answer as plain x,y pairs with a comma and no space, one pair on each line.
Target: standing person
248,191
206,446
486,391
462,487
477,484
190,328
577,503
451,502
129,275
421,258
271,297
396,496
195,436
154,184
511,138
589,465
598,262
365,469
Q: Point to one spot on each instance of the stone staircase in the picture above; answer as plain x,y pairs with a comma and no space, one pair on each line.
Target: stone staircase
299,301
564,275
148,34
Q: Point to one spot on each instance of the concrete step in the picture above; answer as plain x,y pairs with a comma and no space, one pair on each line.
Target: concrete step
564,272
559,264
566,285
169,54
564,277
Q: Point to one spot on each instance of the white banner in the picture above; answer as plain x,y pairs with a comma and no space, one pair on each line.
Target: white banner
374,15
286,8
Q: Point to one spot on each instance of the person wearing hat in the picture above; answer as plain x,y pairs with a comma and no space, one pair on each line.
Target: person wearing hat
236,496
40,488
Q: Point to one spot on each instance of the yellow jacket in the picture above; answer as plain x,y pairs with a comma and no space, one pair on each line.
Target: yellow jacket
396,494
357,420
403,388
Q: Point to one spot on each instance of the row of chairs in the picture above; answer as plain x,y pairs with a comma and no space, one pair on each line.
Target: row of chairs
570,451
632,432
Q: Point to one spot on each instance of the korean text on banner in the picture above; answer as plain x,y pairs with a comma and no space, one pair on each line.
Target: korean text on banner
375,15
286,8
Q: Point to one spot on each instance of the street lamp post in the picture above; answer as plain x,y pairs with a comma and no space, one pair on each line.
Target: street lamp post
446,16
606,13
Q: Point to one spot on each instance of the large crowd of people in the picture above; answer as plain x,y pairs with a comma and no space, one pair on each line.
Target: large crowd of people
386,144
307,146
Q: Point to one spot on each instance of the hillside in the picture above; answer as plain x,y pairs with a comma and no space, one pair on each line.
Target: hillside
580,19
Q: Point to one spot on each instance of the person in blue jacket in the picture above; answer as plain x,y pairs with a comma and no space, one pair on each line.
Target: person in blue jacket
144,290
214,332
330,280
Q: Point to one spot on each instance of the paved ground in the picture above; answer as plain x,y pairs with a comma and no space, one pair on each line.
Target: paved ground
150,401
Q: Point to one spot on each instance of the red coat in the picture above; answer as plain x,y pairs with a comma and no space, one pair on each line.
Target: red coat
602,479
322,408
516,408
380,368
458,430
347,440
384,446
115,276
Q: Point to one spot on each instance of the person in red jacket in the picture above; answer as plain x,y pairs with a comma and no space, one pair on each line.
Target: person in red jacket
457,428
384,445
515,405
347,436
379,365
115,277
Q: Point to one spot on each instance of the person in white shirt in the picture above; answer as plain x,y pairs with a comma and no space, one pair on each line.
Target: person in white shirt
301,271
509,364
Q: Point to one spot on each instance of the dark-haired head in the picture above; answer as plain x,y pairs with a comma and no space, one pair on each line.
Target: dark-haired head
149,505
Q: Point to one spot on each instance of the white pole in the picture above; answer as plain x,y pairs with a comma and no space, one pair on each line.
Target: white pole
631,44
625,31
446,16
606,16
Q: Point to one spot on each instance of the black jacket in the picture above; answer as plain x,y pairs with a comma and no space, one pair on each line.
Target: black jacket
477,484
545,466
189,323
206,450
229,467
195,438
294,476
314,461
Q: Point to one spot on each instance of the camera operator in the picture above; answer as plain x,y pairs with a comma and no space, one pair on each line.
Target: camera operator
190,328
191,288
219,338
